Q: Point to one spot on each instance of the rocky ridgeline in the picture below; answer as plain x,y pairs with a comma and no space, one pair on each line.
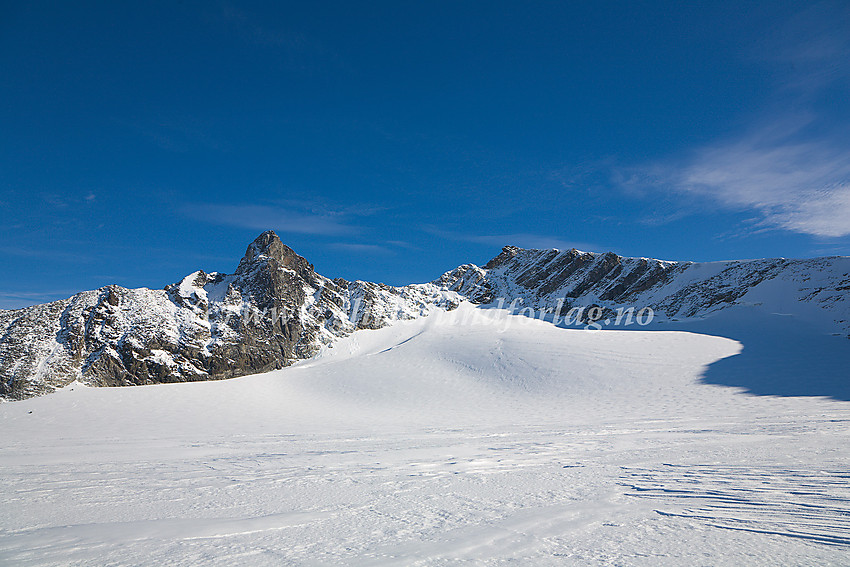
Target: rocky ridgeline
272,311
816,290
275,309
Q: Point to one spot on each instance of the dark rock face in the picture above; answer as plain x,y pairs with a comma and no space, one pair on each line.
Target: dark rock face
273,310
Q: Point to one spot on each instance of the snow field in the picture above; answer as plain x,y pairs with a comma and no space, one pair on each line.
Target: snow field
437,441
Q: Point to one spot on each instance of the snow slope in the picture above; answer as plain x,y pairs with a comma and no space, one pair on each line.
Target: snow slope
470,436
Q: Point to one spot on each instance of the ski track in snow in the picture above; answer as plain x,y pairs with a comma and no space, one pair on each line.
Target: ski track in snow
439,441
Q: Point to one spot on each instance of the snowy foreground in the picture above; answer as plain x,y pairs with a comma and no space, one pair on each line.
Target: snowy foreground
449,439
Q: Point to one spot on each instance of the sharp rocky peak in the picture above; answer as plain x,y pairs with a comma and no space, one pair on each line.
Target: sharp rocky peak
268,246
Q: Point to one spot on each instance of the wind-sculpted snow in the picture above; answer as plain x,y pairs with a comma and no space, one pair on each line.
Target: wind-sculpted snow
802,503
275,309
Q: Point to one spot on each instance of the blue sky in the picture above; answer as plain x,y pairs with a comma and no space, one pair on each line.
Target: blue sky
393,141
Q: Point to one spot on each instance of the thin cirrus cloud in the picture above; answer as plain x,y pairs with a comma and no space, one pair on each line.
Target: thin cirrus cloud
791,182
793,168
10,299
798,186
361,248
281,219
46,253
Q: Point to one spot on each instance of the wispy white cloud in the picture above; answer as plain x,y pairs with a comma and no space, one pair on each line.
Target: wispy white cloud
792,166
361,248
279,218
403,245
18,299
791,181
45,253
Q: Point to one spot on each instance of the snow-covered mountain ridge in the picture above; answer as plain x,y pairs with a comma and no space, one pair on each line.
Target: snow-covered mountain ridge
275,309
815,290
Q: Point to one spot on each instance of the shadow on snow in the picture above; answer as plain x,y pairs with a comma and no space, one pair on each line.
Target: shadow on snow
781,355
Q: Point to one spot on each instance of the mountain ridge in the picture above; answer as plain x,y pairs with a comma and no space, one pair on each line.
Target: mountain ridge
556,281
275,309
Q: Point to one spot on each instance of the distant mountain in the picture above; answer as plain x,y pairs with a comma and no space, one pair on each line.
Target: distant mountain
557,282
275,309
